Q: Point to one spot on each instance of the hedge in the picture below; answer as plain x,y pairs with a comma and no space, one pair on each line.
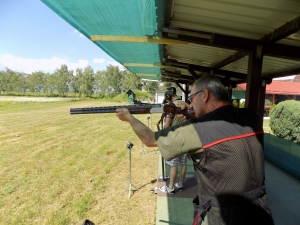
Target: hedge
285,120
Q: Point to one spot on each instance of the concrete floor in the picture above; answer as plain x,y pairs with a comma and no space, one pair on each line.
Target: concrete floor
283,192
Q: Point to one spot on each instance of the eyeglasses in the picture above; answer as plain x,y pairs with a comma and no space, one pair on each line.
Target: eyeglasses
192,96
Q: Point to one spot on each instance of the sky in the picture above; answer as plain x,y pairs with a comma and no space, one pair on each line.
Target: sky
34,38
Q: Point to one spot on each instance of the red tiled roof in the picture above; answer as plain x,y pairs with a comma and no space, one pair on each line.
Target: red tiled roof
280,88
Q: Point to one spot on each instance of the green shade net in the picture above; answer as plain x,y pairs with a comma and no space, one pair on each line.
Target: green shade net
118,18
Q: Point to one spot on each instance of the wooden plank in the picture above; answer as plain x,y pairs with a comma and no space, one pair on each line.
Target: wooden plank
147,75
136,39
155,65
283,31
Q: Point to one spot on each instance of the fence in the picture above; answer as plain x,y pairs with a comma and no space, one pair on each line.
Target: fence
283,153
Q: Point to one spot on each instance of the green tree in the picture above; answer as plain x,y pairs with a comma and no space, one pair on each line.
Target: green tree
36,82
150,87
88,84
113,78
51,83
22,83
63,80
100,84
131,81
9,81
76,82
4,79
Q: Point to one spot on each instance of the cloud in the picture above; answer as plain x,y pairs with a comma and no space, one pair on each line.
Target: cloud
80,34
95,60
32,65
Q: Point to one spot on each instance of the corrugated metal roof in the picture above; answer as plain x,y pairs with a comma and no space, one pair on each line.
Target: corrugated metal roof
210,36
270,65
247,19
250,19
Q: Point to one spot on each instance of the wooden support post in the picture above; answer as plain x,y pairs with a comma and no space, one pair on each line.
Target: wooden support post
186,92
255,90
273,99
230,93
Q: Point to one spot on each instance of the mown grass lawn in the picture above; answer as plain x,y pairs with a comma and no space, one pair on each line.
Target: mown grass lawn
58,168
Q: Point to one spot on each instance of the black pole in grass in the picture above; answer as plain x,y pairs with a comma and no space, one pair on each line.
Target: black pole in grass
130,185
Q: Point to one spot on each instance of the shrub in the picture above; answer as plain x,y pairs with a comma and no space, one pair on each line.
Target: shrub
285,120
271,108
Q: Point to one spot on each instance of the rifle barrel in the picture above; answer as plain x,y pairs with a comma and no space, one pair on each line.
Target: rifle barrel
134,109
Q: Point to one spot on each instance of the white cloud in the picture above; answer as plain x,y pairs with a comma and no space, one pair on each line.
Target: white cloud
80,34
95,60
32,65
114,63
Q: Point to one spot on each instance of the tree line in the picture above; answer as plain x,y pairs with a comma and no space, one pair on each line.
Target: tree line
81,83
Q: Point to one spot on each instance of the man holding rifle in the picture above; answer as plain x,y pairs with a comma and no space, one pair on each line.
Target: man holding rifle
226,146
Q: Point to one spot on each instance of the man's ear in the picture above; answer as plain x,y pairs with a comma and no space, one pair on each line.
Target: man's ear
204,94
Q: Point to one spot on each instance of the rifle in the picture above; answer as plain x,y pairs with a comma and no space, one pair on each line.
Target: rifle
136,109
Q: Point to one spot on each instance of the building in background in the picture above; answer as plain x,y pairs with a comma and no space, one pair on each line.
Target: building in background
277,91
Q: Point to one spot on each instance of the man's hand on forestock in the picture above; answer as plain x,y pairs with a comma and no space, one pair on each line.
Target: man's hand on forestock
184,106
123,114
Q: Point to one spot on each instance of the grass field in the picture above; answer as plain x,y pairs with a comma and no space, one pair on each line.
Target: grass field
58,168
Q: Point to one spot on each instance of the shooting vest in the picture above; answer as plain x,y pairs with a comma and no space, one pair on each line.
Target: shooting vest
230,171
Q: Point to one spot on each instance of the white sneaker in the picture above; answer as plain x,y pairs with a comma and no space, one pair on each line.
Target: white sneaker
180,187
167,189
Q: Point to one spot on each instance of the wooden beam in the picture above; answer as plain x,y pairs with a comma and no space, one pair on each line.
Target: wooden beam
154,65
236,56
169,12
217,40
282,51
219,71
207,70
186,91
177,76
167,79
147,75
136,39
255,91
193,73
184,32
273,99
285,30
279,33
179,85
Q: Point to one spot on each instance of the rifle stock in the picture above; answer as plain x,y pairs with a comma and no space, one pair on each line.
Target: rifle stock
190,114
135,109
